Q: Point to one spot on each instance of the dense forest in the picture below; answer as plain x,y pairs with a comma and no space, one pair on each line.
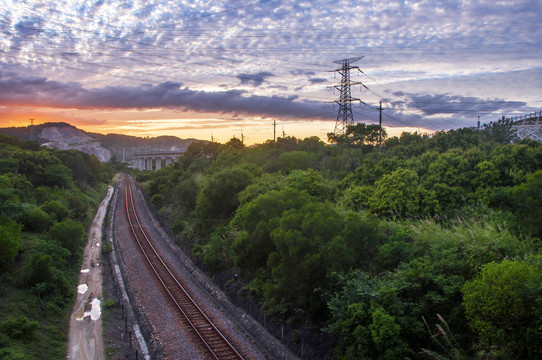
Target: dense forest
428,248
47,201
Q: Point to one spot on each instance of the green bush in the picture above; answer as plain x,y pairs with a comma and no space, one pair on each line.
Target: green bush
69,233
56,209
218,197
38,220
501,307
10,240
19,328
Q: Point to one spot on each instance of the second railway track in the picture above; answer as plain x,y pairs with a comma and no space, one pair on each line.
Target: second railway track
216,343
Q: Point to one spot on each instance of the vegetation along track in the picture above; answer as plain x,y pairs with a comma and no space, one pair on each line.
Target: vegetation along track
219,347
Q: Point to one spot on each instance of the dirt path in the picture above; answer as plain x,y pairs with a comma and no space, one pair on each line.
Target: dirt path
85,335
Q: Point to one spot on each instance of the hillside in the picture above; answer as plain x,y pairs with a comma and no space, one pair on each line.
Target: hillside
47,200
118,147
427,249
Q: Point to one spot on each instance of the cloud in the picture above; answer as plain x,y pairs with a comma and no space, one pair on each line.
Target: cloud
429,49
432,104
318,80
38,91
254,79
302,72
29,26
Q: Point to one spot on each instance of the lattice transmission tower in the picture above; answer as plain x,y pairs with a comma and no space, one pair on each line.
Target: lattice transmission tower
345,117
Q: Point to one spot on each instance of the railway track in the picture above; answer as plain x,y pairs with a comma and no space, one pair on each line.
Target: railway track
215,342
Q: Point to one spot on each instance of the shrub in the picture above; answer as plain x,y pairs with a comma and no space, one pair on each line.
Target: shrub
19,328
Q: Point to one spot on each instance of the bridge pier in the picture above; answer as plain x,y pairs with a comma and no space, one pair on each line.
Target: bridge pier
153,160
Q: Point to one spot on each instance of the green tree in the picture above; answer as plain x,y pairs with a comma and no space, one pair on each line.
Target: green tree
157,200
257,219
312,182
19,328
465,138
40,270
10,240
500,131
78,207
235,143
33,164
292,160
69,233
308,242
526,200
312,144
362,234
487,175
360,135
58,175
198,155
45,279
56,209
187,192
8,165
386,334
37,220
366,316
217,253
502,308
357,197
516,161
86,169
449,176
53,248
262,185
218,197
287,143
401,194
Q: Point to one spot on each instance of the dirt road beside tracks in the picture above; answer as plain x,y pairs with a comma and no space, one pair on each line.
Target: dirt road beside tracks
85,334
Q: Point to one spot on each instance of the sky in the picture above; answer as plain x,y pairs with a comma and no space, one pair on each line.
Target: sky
213,69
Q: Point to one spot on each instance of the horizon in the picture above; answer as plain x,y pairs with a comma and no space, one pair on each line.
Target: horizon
325,140
233,68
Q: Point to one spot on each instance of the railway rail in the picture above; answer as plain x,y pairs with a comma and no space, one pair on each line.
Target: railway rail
215,342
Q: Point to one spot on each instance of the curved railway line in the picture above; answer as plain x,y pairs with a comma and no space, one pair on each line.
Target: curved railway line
216,343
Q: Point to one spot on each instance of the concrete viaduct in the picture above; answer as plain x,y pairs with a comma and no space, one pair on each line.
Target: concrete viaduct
155,160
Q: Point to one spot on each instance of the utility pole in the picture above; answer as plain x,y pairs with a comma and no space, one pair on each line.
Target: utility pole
31,129
242,137
274,133
345,116
380,127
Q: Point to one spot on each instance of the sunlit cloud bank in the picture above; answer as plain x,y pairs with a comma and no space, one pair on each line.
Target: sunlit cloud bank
38,91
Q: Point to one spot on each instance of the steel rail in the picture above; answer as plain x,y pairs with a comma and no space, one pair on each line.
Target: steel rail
197,319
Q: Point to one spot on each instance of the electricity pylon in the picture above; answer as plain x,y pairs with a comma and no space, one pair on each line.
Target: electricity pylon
345,117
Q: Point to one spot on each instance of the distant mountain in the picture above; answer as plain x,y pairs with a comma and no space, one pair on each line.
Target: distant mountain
64,136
